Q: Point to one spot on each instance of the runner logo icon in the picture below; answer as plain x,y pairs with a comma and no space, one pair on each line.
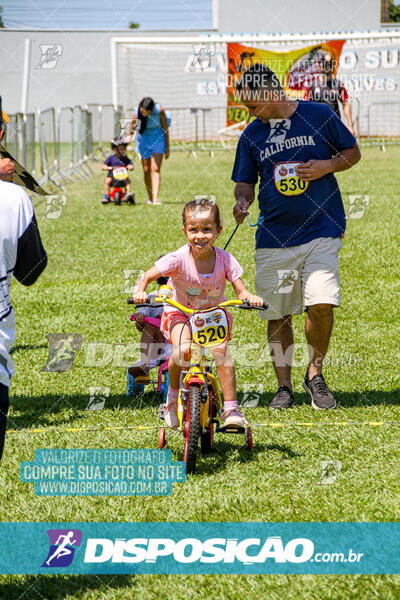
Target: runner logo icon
63,543
279,129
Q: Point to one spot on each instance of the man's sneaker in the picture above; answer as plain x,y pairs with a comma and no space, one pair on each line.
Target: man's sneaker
105,199
321,397
283,398
171,413
233,417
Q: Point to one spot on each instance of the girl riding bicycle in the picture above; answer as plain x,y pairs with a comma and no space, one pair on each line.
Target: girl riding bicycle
198,272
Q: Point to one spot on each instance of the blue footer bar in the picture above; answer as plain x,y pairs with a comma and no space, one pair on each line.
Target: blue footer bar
224,548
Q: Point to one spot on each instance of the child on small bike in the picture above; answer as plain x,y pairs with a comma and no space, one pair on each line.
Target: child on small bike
119,158
198,272
153,348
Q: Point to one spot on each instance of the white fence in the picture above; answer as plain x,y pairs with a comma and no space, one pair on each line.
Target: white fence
57,145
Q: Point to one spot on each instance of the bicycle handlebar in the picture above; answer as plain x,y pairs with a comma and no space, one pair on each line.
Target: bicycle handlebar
243,304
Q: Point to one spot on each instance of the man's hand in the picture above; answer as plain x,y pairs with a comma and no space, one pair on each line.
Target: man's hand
313,169
166,153
130,167
240,210
7,169
244,194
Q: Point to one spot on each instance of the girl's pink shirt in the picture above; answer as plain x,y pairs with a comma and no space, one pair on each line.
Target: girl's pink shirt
190,287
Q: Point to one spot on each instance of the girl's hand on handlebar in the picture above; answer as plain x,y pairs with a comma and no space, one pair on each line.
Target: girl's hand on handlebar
140,298
253,300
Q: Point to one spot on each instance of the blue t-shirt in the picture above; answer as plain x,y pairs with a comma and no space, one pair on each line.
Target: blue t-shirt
117,161
294,212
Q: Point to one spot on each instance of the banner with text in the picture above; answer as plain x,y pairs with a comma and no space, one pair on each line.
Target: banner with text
293,67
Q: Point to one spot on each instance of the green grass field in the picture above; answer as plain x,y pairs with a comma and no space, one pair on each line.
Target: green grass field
89,247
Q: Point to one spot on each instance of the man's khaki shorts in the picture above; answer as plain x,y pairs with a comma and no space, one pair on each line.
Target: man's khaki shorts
291,279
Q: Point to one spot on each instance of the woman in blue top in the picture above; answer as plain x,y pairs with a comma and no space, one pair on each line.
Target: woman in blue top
152,142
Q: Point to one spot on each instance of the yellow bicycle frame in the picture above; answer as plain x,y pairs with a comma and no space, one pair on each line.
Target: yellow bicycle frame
197,364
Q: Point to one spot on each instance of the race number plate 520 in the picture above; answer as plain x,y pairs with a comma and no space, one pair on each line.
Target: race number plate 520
209,327
286,180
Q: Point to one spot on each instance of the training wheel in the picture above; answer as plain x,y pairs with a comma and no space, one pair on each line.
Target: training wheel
161,438
249,438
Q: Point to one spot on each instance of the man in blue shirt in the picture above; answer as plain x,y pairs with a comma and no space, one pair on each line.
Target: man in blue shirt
292,148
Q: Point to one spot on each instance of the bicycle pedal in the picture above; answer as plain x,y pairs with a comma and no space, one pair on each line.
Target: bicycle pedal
161,412
230,429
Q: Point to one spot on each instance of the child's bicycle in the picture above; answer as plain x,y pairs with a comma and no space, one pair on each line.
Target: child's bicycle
117,193
199,401
135,385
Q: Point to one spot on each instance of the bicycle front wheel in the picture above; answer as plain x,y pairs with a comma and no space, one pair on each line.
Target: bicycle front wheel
192,428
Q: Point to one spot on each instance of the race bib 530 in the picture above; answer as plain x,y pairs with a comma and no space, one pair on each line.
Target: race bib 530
286,180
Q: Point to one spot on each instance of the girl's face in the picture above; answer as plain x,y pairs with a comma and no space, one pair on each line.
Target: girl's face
145,112
201,231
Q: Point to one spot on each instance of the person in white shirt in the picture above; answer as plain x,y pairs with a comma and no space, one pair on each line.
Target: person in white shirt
22,255
7,169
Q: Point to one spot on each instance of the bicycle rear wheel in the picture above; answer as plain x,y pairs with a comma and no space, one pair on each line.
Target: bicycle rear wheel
192,428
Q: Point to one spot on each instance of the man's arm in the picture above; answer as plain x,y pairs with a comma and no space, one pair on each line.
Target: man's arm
31,256
244,194
344,99
314,169
347,114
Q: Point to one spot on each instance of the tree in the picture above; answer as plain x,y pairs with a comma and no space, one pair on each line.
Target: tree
394,12
134,25
1,20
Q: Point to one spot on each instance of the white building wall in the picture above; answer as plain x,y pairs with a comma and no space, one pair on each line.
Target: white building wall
296,16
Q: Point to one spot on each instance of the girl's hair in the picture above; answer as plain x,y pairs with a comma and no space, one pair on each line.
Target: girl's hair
148,104
202,205
162,280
